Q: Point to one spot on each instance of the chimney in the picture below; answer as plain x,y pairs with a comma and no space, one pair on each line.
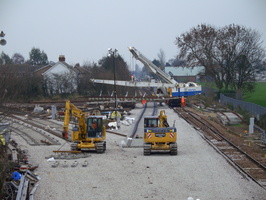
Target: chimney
62,58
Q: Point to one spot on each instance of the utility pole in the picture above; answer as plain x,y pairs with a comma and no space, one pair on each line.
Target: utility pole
114,54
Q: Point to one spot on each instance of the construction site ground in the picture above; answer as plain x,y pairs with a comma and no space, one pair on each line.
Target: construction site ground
197,171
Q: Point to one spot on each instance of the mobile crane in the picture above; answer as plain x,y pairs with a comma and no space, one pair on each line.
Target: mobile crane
158,136
167,84
88,134
175,89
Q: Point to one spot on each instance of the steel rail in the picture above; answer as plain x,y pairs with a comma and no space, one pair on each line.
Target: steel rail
30,140
215,131
244,158
115,133
40,127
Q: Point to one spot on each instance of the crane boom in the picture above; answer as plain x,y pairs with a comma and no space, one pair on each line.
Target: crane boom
178,89
151,67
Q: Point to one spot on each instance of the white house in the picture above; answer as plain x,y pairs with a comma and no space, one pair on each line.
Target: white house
60,78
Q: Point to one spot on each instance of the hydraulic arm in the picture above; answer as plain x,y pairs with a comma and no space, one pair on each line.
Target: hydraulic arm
88,133
71,109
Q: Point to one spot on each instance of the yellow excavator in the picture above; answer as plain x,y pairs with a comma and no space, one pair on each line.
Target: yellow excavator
158,136
88,133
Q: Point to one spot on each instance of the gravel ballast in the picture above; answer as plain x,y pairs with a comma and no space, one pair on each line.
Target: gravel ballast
198,171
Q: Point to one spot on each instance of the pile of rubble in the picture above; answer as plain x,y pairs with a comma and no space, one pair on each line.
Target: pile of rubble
21,182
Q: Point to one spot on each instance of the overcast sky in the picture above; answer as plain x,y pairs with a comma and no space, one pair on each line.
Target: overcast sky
83,30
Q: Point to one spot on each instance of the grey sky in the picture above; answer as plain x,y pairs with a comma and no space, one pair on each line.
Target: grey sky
83,30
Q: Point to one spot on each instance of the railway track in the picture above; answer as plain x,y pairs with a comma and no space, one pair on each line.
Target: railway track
247,164
34,133
38,131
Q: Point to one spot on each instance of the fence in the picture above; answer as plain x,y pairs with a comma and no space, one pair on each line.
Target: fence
256,110
252,108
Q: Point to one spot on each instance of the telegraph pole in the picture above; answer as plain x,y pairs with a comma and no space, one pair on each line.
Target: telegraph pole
114,54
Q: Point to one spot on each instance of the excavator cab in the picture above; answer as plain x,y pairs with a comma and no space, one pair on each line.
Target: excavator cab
94,125
151,121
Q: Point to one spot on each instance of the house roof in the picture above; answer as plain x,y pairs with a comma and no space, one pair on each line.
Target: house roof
41,70
81,70
59,63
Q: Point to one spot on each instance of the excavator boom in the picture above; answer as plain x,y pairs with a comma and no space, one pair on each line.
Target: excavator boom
71,109
89,133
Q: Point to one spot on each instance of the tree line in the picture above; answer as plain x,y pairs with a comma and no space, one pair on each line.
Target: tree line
36,57
230,55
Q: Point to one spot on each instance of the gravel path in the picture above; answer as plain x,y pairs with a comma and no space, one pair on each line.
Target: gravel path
124,173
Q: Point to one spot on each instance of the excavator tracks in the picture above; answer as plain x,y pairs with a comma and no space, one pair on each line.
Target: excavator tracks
100,147
74,146
173,148
147,149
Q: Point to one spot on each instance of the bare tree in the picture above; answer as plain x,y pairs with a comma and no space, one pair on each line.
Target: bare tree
223,51
197,46
239,52
18,59
58,84
18,83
